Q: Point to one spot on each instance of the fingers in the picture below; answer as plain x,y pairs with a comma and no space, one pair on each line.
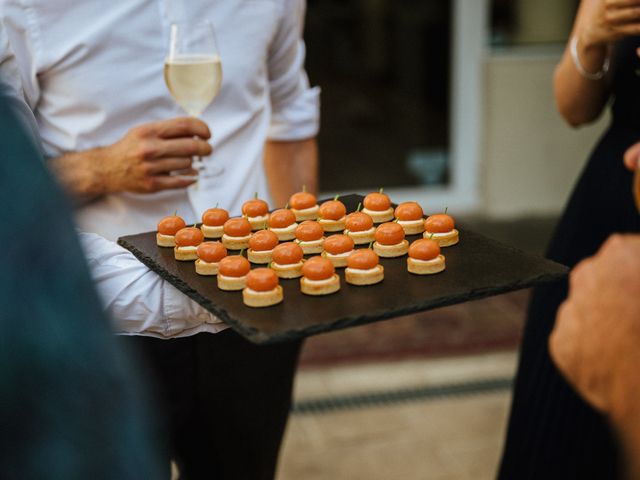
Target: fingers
621,16
621,3
628,30
167,165
578,275
176,147
176,128
564,341
169,182
631,157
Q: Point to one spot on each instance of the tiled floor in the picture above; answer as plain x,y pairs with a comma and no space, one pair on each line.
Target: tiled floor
443,438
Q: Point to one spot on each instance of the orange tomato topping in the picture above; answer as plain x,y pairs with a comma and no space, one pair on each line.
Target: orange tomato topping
234,266
263,240
408,211
282,218
211,252
287,253
215,217
318,268
309,231
262,279
255,208
337,244
237,227
363,259
358,222
332,210
424,249
170,225
439,223
378,202
302,200
189,237
389,234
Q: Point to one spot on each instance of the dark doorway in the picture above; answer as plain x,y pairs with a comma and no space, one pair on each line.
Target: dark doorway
383,66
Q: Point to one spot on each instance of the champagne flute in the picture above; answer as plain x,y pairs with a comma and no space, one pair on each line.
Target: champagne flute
193,72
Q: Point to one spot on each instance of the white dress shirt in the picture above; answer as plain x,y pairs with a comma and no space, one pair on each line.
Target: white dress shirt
11,86
139,300
93,69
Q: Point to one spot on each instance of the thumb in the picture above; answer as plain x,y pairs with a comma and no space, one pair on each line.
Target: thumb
631,157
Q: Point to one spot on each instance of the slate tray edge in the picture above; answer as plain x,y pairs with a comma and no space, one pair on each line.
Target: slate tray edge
259,337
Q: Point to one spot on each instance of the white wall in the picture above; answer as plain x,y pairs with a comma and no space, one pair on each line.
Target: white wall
530,157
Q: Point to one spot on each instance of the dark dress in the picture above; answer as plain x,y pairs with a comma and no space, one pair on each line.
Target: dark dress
552,432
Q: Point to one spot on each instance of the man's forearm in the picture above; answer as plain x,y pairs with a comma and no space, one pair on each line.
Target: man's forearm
78,175
289,166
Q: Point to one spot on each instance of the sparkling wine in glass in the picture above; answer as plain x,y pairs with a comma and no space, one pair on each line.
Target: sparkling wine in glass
193,71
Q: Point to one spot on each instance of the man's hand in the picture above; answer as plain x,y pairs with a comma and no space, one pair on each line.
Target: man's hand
142,161
596,340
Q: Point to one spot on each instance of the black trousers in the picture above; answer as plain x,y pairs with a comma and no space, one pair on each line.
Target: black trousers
223,402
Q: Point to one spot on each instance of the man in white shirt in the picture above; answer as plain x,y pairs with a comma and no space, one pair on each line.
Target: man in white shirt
92,73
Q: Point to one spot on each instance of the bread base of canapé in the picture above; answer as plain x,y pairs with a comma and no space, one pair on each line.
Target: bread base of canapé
320,287
362,238
356,276
339,260
445,239
211,231
259,257
310,213
165,240
185,254
332,225
287,271
312,247
286,233
391,251
258,223
231,283
206,268
379,217
235,243
426,267
412,227
253,298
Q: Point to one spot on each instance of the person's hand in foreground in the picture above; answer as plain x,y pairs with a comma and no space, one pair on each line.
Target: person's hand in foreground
632,157
596,339
145,160
610,20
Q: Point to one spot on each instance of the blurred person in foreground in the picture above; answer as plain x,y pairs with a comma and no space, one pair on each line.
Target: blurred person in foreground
71,404
596,337
552,432
93,74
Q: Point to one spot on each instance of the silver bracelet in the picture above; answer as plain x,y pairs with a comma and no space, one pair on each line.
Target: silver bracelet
576,60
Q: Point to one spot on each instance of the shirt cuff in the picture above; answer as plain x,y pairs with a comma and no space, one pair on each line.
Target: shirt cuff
299,120
137,299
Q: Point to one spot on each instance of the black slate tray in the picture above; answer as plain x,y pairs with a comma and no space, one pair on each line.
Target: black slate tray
477,267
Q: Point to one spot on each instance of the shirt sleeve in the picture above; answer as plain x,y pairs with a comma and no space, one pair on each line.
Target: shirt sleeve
21,28
295,105
137,299
11,87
